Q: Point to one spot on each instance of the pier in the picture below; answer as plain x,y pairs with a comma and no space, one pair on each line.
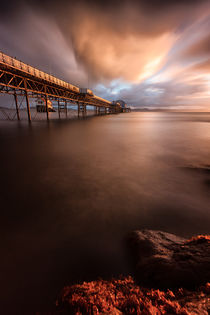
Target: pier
53,97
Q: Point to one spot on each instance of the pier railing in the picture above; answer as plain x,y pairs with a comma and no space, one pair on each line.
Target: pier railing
23,67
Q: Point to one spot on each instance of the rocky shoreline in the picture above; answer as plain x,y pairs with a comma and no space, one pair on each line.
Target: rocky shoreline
171,276
123,296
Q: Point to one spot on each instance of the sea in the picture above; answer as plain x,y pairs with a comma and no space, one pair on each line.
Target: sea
72,190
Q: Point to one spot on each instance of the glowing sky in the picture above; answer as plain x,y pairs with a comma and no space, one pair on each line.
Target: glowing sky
150,53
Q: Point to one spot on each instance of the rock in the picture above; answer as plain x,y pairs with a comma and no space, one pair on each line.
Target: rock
163,260
124,297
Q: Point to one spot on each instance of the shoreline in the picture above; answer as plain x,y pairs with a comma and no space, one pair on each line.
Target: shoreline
124,296
129,295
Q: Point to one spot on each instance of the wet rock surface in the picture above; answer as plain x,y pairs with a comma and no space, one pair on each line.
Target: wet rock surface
163,260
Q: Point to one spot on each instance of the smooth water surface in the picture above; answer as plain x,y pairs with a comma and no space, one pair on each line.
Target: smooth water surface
72,190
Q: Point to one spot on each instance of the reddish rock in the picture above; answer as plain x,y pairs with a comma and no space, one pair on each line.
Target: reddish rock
123,296
163,260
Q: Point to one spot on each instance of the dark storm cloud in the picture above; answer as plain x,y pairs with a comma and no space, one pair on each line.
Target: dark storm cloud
102,3
110,7
103,42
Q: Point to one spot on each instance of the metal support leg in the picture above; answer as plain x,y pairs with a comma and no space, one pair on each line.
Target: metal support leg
85,110
59,113
78,109
46,104
16,104
96,110
28,106
66,110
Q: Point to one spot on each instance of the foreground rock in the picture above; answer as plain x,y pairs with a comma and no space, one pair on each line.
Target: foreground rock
123,296
163,260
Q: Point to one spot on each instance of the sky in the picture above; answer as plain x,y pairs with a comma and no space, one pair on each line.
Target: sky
150,53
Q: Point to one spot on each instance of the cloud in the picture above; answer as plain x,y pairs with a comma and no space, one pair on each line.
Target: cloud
127,41
148,52
203,67
37,39
199,49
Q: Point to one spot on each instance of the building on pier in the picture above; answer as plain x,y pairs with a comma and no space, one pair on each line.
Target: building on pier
122,105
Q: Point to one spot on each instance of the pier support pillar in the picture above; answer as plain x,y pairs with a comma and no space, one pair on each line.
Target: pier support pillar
59,113
46,104
81,109
96,110
27,102
78,111
84,110
16,105
66,109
